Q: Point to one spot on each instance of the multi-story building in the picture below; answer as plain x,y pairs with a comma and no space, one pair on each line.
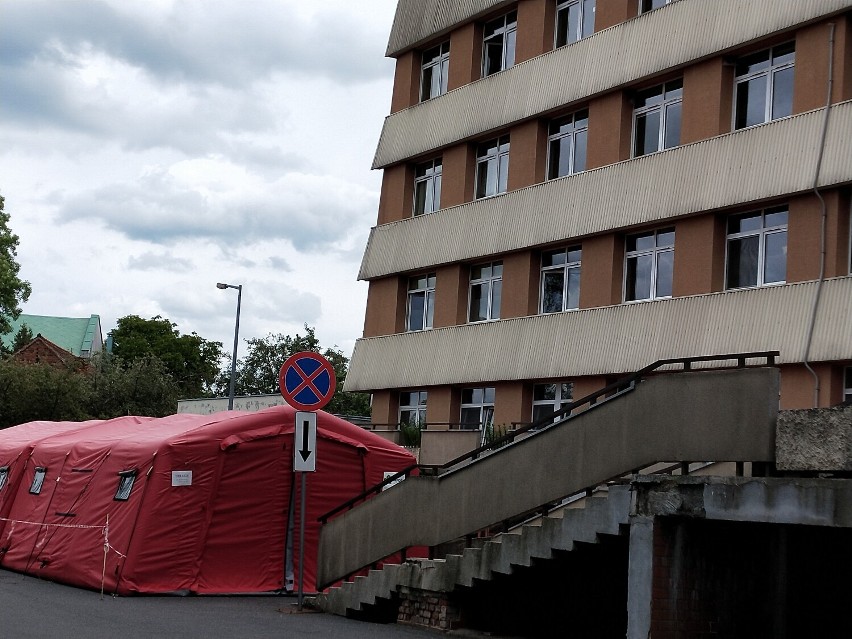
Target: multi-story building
573,189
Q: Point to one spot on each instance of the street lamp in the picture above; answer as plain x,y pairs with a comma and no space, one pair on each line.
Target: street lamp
239,288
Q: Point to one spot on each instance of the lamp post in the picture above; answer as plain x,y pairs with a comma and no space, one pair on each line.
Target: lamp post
239,288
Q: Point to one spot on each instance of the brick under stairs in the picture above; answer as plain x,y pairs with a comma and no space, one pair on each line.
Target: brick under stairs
604,513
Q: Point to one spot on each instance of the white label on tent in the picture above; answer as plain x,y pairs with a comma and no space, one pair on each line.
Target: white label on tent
181,478
391,473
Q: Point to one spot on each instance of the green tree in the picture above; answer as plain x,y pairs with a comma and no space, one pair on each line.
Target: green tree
23,337
257,371
30,392
142,387
192,361
13,290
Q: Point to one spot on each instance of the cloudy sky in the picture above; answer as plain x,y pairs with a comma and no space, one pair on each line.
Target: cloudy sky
151,148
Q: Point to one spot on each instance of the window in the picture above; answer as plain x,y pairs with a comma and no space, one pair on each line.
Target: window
126,479
498,44
649,265
847,386
575,19
38,480
548,398
757,248
427,187
421,302
412,407
566,145
433,73
650,5
486,287
492,167
477,408
656,118
4,475
764,86
560,280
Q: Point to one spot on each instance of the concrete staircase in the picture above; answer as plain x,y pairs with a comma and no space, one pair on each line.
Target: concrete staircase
603,514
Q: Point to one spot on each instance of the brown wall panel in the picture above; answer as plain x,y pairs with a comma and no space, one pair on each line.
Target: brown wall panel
707,100
385,407
442,407
803,236
601,270
459,166
385,312
527,154
810,85
465,56
451,289
608,13
395,201
610,122
520,284
699,263
406,81
535,28
797,386
512,403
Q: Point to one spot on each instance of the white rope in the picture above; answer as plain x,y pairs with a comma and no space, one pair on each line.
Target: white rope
39,523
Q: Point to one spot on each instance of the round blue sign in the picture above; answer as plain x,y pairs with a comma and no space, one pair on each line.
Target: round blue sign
307,381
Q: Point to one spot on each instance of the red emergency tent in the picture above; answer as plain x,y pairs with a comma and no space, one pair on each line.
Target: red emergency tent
185,503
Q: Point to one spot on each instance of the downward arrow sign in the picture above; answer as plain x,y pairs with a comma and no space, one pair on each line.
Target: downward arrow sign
305,452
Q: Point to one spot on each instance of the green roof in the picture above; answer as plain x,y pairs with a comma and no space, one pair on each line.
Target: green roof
79,335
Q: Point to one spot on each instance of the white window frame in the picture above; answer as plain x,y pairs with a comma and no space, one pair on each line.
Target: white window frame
770,72
671,97
570,127
429,63
585,21
481,399
505,30
648,5
494,153
847,384
573,261
563,395
422,285
432,172
654,252
491,280
417,409
762,234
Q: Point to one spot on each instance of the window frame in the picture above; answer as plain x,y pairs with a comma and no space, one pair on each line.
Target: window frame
493,280
847,384
574,131
441,61
38,480
568,265
761,233
126,481
654,252
563,7
663,107
646,6
558,402
428,293
431,178
485,407
4,476
505,29
418,408
496,150
770,72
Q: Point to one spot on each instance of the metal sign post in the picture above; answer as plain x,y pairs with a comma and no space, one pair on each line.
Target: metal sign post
307,382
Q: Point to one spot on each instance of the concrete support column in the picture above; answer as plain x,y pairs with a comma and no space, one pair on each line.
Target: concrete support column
385,312
406,81
608,13
707,100
459,168
520,284
640,577
451,295
610,125
527,154
465,56
535,28
396,198
601,270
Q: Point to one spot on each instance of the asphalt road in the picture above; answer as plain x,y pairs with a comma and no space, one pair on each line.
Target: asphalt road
35,609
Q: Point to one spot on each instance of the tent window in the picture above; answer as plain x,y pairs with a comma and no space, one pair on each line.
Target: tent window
125,485
4,475
38,480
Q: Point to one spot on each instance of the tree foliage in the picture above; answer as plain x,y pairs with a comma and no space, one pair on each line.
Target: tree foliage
30,392
23,337
192,361
257,371
142,386
13,290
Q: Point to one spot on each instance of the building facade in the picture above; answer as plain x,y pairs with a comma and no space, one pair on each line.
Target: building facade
574,189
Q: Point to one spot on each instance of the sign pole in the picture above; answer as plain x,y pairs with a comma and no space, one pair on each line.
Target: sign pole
302,544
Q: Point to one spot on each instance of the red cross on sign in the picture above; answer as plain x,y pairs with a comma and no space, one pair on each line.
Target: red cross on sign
307,381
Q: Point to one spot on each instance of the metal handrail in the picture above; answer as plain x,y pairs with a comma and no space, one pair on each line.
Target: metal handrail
546,422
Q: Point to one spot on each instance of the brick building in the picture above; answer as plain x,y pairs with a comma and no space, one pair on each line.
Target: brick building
573,189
